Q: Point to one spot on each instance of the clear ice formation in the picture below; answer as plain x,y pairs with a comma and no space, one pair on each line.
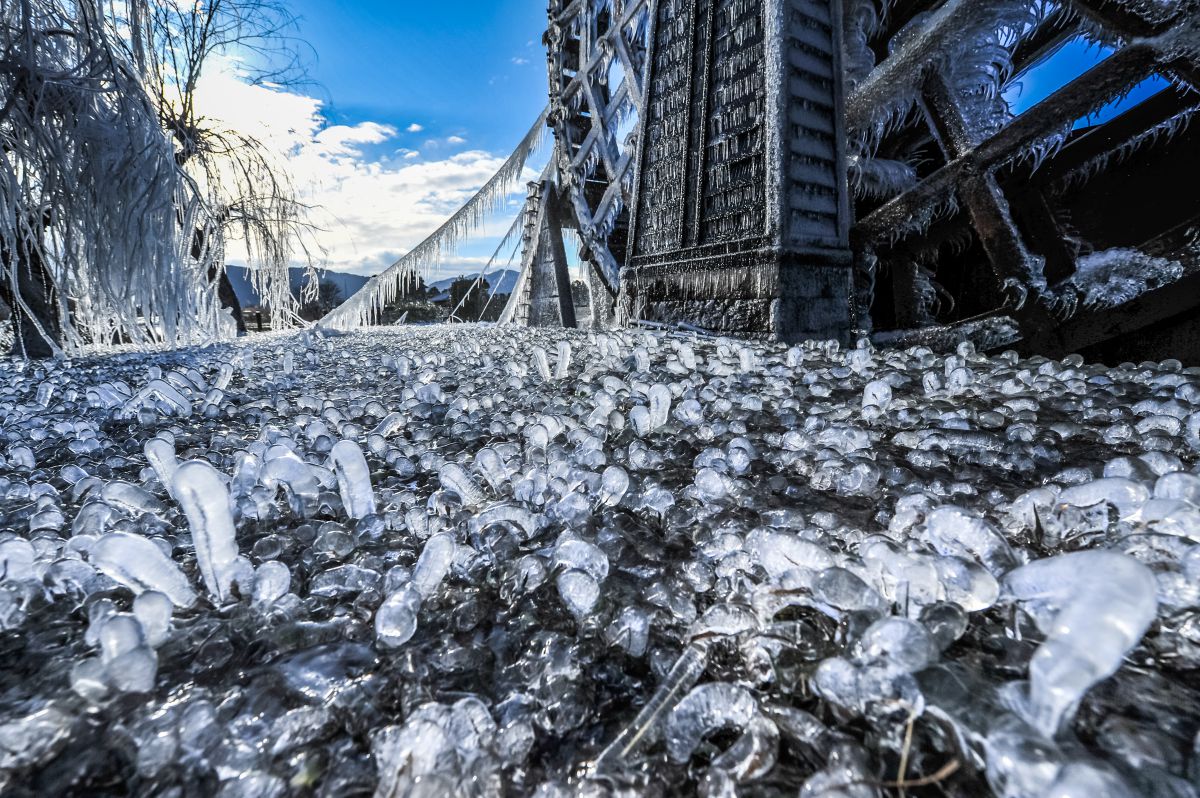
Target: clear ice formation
440,750
455,478
160,454
205,501
1093,607
952,531
707,708
396,619
433,564
271,582
283,469
562,365
140,565
638,562
353,478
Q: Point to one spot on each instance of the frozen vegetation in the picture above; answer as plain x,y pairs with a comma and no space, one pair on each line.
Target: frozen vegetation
479,561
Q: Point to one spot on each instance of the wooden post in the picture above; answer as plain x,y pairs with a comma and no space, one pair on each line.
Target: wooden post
741,218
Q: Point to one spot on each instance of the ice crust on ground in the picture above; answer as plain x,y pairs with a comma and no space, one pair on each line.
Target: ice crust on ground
477,560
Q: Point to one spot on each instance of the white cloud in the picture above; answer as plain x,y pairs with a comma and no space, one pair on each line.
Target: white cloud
347,141
370,208
415,128
519,61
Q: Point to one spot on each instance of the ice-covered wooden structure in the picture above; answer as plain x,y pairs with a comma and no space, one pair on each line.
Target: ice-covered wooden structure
741,221
830,168
1066,235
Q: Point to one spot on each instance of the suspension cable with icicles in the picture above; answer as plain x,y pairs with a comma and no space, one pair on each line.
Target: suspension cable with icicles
479,278
512,230
364,306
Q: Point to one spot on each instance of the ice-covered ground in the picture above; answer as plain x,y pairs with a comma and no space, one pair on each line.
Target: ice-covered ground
481,561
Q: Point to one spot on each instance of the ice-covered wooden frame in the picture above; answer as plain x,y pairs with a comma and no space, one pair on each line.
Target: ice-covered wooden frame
596,53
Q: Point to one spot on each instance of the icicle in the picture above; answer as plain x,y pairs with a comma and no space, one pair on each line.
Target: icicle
137,563
354,479
205,502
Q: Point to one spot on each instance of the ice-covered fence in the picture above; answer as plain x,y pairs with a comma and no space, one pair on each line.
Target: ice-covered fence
965,209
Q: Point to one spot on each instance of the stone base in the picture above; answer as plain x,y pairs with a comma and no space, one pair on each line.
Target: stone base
794,297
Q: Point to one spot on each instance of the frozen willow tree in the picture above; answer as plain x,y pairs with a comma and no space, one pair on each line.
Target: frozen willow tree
89,188
116,199
242,191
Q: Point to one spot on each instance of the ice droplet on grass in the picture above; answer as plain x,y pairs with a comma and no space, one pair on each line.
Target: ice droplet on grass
1124,494
16,560
780,552
130,665
562,367
877,393
433,564
272,580
541,362
205,502
390,425
119,633
137,563
33,739
131,498
353,478
897,643
224,376
396,618
710,484
660,406
290,471
1094,606
491,466
161,456
579,591
153,611
454,477
614,482
707,708
640,419
954,531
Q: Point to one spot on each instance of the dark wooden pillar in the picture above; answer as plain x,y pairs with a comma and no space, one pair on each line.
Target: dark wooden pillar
550,303
741,219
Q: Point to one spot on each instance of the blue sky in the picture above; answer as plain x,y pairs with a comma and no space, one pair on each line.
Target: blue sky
408,110
1072,59
473,69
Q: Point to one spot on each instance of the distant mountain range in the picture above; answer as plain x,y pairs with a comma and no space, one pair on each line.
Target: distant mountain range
239,276
501,281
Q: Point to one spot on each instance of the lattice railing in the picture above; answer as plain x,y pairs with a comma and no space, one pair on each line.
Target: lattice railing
596,52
